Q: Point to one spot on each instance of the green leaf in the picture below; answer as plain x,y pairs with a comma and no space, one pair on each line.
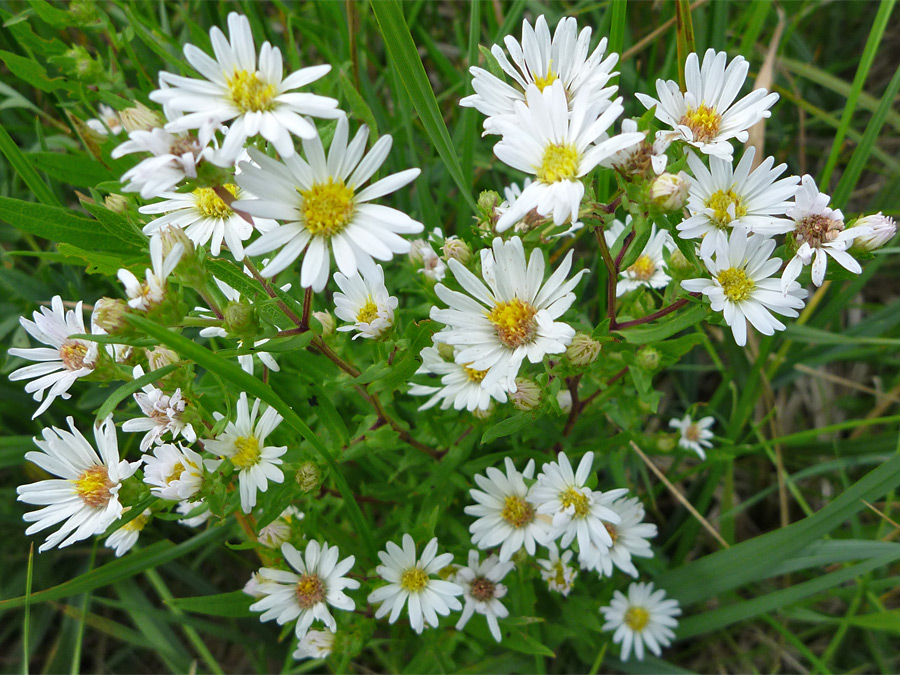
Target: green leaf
235,604
26,172
660,330
78,170
32,72
889,621
508,426
117,225
520,641
358,105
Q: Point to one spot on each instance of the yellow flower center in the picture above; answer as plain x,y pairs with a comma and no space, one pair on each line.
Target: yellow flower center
211,205
736,284
636,618
310,591
93,486
559,576
612,531
327,207
545,80
720,202
250,93
247,454
414,580
177,469
643,268
692,433
474,375
514,322
368,313
482,589
137,524
703,122
560,162
517,512
72,355
573,497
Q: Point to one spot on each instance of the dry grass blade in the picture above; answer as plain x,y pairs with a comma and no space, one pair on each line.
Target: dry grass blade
890,397
764,80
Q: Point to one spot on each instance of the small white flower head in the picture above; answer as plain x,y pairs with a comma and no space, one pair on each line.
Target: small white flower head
670,190
124,539
540,61
253,95
528,394
251,588
641,157
577,511
365,303
650,269
498,325
162,413
482,590
882,230
507,513
325,207
423,255
174,472
305,596
557,572
85,497
278,531
455,248
160,357
564,400
693,435
63,361
629,539
461,386
409,579
644,617
244,443
742,288
185,507
174,157
543,139
819,233
153,291
109,122
704,116
725,198
316,644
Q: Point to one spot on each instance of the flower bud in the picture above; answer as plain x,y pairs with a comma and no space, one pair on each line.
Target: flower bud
457,249
139,118
109,314
488,201
308,477
665,443
83,12
173,235
678,262
649,358
240,319
447,352
116,203
327,322
583,350
160,357
484,414
882,230
564,399
528,394
670,191
418,249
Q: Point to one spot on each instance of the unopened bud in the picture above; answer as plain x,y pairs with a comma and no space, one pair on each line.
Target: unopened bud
83,12
677,261
881,230
418,249
327,322
172,235
109,314
160,357
649,358
583,350
446,352
82,63
564,399
240,319
457,249
483,414
448,572
665,443
670,191
116,203
139,118
488,201
527,395
308,477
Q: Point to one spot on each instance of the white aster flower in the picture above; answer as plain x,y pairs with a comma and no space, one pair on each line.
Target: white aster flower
557,572
693,435
124,539
497,326
316,644
174,158
670,191
507,513
724,198
244,443
324,206
543,139
109,122
85,497
162,413
422,254
482,590
650,269
741,286
629,539
640,157
642,618
365,303
305,596
704,116
254,95
174,472
64,361
541,61
460,385
187,507
153,290
880,229
409,579
278,531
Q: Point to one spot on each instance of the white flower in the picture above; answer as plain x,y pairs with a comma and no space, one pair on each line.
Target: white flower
460,385
543,139
741,286
650,268
540,61
409,579
724,198
641,156
174,472
497,326
819,231
185,507
629,538
644,617
557,572
670,190
306,596
258,100
174,158
422,253
577,511
153,291
57,368
704,115
364,302
482,590
124,539
85,497
694,435
507,513
882,230
244,443
324,206
278,531
162,413
108,123
316,644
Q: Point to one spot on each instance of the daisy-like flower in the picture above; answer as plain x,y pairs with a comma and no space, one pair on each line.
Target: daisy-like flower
153,290
409,579
124,539
644,617
649,270
741,286
497,326
305,596
557,572
460,385
162,413
629,539
109,122
507,514
482,590
693,435
543,139
641,157
174,158
541,61
85,497
819,233
316,644
706,115
577,511
63,361
324,206
254,95
724,198
880,229
365,303
244,443
174,472
278,531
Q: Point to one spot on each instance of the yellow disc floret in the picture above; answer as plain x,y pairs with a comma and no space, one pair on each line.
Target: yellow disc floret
703,121
721,202
247,454
73,355
546,80
414,580
309,591
211,205
643,268
93,486
368,313
517,512
327,207
474,375
136,524
560,162
250,93
576,499
735,283
636,618
514,322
